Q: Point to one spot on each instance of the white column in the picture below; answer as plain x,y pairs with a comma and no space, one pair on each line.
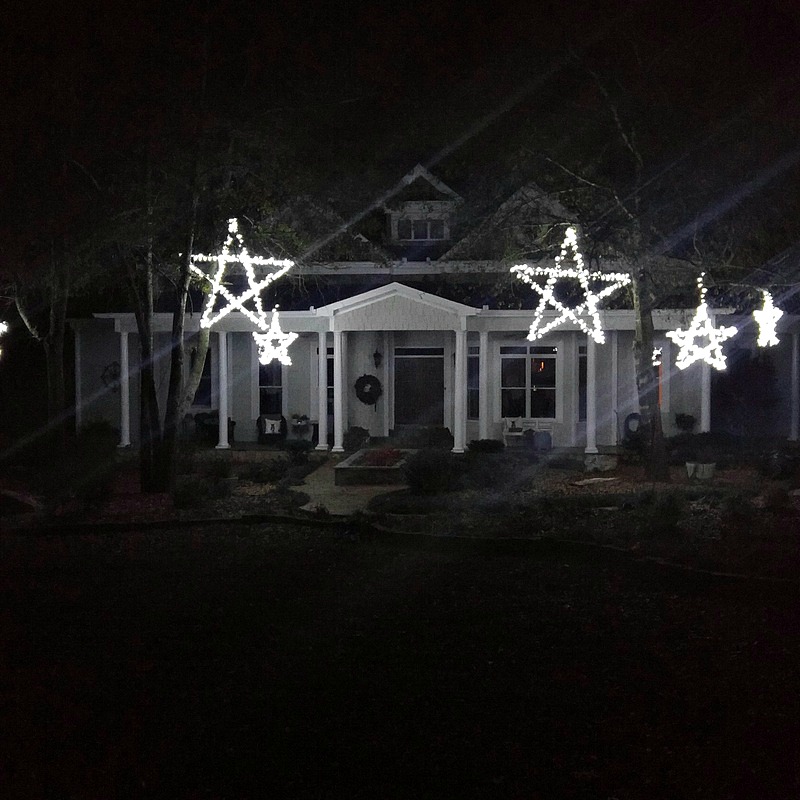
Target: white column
124,392
338,377
591,396
222,358
483,385
385,380
78,387
460,394
614,388
322,390
705,397
795,377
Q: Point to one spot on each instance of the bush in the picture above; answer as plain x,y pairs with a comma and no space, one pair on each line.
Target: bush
270,471
384,457
354,438
191,491
485,446
216,469
297,446
431,471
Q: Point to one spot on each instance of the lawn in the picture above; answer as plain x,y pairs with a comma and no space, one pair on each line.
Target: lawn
271,661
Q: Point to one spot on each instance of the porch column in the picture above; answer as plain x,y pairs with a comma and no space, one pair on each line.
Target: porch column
705,397
614,388
338,377
222,344
322,390
483,385
124,392
591,396
795,404
78,388
460,393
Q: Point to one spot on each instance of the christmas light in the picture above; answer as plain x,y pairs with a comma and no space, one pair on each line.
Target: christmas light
255,286
700,328
766,317
657,356
3,329
588,308
274,343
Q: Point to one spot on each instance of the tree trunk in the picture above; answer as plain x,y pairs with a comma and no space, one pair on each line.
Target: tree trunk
651,432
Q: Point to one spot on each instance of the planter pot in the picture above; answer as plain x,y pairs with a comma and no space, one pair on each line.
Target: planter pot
701,471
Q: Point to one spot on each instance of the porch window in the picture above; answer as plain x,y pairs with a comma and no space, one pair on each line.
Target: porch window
582,383
329,378
202,396
473,383
528,381
270,388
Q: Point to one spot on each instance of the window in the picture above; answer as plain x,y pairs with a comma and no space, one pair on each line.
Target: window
270,388
430,230
473,383
202,395
528,381
329,378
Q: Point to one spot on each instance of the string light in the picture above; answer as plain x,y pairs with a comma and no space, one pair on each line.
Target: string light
700,328
274,343
657,356
766,317
255,286
588,308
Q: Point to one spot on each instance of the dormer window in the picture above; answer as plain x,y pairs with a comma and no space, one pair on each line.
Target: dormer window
421,230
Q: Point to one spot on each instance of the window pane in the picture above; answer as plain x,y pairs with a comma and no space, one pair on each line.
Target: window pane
420,229
543,403
543,372
512,372
582,385
202,397
404,229
513,351
473,404
473,372
330,373
513,402
437,228
269,401
269,374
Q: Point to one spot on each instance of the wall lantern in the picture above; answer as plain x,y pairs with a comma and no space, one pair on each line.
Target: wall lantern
377,358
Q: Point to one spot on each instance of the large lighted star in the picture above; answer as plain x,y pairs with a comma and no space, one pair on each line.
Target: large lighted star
766,317
701,328
588,308
255,286
274,343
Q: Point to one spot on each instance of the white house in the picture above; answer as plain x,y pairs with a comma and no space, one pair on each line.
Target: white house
427,360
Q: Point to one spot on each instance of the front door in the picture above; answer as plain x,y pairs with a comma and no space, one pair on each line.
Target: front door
419,386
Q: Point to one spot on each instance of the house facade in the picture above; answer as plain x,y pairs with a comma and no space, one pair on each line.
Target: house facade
390,353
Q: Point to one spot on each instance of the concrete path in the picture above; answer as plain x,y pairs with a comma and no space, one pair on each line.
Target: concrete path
338,500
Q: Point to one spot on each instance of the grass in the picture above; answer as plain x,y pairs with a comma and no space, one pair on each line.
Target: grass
270,661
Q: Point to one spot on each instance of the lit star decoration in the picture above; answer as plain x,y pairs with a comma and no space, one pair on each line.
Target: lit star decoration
274,343
766,317
588,308
701,328
3,329
255,286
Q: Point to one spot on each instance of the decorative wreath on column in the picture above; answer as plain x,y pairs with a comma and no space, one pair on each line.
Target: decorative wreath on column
368,389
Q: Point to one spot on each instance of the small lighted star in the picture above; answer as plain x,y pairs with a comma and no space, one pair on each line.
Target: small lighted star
701,328
588,308
274,343
255,286
766,317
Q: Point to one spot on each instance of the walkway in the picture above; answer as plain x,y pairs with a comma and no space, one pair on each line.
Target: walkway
338,500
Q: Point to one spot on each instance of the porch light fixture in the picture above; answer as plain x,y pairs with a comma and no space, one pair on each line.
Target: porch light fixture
377,359
766,317
701,328
588,308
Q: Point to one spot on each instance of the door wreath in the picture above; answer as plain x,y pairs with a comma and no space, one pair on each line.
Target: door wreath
368,389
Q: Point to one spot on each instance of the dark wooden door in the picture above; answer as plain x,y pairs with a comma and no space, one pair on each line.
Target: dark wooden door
419,390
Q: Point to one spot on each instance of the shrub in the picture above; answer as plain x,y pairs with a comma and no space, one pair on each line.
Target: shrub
270,471
485,446
216,469
431,471
385,457
354,438
297,446
191,491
